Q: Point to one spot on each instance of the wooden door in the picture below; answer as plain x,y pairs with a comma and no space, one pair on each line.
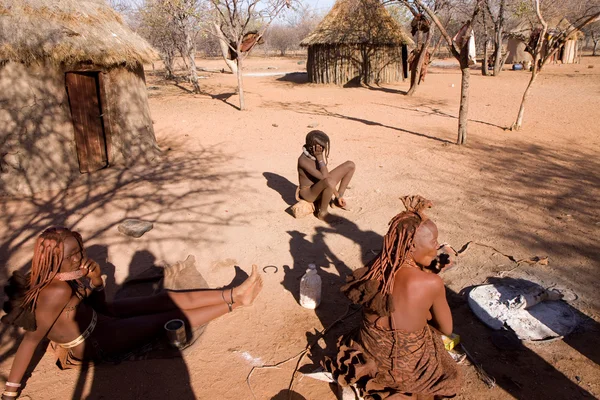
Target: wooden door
86,112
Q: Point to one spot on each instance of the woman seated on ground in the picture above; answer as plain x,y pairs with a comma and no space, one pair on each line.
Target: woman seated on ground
316,181
398,353
64,301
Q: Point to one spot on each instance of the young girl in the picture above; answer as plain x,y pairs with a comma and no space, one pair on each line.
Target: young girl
64,301
316,181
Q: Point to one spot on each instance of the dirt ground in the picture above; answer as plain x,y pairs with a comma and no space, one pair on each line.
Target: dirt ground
227,178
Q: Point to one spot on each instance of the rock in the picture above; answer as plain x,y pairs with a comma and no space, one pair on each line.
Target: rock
134,227
275,125
313,125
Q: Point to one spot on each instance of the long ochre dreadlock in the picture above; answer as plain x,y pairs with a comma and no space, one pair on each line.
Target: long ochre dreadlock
373,284
48,255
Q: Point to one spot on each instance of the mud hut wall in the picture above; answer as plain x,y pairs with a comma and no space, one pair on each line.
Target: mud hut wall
37,147
129,124
340,64
516,52
569,52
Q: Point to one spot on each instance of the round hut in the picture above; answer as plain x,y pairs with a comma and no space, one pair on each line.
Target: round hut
357,42
72,93
519,37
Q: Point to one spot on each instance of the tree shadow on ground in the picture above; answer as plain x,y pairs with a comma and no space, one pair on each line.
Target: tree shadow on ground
547,201
438,112
520,372
171,193
297,78
386,90
310,108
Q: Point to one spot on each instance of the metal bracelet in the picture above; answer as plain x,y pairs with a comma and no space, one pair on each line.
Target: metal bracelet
13,384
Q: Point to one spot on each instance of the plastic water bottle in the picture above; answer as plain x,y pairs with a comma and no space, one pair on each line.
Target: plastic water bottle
310,288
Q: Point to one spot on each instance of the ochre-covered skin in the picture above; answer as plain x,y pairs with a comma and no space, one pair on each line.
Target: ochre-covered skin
398,348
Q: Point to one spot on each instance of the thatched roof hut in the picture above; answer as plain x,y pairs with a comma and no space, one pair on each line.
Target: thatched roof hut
357,40
72,91
519,37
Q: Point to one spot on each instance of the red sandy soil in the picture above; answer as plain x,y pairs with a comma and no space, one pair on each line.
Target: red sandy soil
227,178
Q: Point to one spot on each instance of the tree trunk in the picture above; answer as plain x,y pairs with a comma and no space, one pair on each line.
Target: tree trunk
416,67
595,46
486,56
239,61
499,28
486,42
519,121
224,46
498,59
191,52
463,111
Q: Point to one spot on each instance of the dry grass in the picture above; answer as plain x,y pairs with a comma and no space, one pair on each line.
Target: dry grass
68,32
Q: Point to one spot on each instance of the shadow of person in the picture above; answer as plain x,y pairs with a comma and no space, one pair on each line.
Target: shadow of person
332,271
286,394
370,242
283,186
152,370
99,253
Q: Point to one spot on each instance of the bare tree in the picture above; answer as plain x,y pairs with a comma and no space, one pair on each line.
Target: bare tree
233,23
281,38
496,10
460,50
184,15
158,28
298,24
593,32
544,42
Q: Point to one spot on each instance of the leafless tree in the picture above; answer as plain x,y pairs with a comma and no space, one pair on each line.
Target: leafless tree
233,26
496,11
544,42
593,32
158,28
287,36
281,38
172,26
460,50
184,15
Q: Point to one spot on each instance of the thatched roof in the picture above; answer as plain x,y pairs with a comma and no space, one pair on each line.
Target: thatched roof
358,22
69,32
556,25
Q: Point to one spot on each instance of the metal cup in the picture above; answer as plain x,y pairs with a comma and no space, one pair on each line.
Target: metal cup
176,333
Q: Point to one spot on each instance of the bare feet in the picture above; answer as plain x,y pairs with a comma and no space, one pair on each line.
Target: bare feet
245,293
322,215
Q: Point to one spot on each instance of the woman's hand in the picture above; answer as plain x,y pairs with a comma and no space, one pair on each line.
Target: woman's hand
341,202
447,258
317,150
91,269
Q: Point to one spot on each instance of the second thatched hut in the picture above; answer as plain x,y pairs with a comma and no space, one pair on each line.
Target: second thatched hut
358,41
72,93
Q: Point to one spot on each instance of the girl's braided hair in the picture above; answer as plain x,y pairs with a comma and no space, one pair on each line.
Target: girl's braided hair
320,138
